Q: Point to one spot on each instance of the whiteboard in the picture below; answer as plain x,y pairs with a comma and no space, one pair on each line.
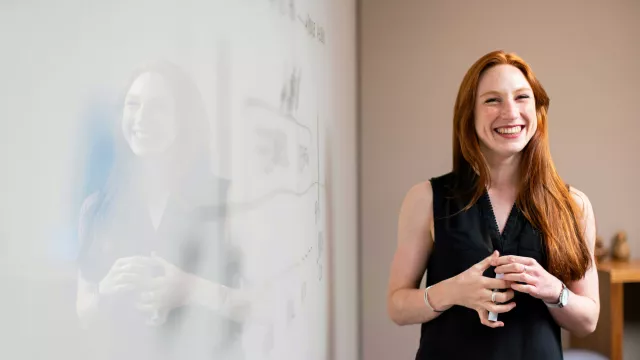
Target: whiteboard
262,71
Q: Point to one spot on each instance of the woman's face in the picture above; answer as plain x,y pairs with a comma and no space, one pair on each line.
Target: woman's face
505,111
148,120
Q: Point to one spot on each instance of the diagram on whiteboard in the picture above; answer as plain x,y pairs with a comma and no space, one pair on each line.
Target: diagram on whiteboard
277,205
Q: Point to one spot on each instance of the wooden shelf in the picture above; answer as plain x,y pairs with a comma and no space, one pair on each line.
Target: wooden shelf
621,272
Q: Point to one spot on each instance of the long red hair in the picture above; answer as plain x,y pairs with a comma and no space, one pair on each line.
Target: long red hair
543,197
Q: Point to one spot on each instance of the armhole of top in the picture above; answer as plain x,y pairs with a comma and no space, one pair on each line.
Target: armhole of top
85,217
435,200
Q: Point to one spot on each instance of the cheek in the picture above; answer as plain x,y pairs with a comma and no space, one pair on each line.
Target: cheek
530,111
127,123
484,118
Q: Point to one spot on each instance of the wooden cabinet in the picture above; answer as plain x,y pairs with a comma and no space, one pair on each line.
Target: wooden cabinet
608,337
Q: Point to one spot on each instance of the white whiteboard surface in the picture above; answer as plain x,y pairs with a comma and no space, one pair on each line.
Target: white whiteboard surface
276,80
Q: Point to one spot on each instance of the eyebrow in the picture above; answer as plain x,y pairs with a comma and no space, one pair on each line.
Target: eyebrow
494,92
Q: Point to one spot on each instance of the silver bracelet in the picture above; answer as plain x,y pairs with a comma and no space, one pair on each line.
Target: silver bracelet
426,300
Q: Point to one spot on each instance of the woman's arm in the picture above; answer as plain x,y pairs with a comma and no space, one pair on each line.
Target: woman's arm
235,304
580,316
405,301
87,298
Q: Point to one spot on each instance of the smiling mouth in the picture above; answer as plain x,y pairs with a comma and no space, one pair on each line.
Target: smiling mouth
142,133
509,130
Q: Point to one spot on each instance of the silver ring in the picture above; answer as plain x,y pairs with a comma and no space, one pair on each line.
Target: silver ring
493,297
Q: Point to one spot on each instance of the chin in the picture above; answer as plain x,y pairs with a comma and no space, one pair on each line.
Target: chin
507,152
145,151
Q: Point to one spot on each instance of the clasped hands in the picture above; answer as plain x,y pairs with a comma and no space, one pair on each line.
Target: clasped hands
156,284
522,274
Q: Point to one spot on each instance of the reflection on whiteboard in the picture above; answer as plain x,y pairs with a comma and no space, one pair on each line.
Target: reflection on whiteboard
190,210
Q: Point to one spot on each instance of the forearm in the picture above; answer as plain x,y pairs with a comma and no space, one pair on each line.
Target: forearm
232,303
579,316
87,304
407,306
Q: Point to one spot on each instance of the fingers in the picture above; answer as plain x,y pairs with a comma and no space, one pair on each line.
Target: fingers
491,284
150,297
525,288
122,283
520,278
147,307
126,279
134,264
130,268
484,319
499,308
140,260
503,297
486,263
157,284
123,288
511,268
513,259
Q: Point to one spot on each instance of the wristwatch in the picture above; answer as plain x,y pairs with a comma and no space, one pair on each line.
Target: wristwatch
563,299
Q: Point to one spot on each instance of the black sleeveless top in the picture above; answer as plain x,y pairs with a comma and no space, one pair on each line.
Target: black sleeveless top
462,239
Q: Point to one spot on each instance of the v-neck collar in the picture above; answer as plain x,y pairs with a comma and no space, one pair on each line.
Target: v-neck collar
491,222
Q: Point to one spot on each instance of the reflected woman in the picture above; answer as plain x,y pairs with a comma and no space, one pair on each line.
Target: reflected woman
154,273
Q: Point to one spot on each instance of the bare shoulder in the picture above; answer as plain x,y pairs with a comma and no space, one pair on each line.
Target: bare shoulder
587,214
420,192
416,213
418,200
580,198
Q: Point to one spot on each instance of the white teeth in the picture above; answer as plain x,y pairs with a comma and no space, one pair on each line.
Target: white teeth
510,130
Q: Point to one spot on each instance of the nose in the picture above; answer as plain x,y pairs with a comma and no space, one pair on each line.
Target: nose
510,110
141,115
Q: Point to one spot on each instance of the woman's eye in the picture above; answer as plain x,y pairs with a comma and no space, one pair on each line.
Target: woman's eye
523,96
491,100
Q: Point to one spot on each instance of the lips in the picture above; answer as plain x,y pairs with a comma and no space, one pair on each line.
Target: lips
142,133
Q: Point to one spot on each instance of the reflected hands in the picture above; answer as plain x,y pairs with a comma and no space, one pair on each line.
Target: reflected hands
167,291
126,275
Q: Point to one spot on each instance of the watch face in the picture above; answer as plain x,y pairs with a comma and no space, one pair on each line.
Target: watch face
564,297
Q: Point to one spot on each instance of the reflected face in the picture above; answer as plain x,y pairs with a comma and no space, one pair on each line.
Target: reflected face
148,119
505,111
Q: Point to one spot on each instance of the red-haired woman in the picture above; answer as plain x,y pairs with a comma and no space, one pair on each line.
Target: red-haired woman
507,246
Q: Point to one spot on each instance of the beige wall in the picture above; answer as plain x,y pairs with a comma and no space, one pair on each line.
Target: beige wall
413,55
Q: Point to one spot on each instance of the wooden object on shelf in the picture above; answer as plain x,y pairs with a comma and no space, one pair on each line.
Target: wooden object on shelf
601,251
620,250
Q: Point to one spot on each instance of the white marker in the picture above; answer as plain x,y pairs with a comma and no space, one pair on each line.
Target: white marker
494,316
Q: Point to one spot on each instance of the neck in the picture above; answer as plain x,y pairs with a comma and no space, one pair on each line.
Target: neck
154,177
505,172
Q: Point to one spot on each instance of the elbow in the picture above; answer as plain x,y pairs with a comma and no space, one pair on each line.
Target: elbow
394,312
590,327
584,332
393,315
587,328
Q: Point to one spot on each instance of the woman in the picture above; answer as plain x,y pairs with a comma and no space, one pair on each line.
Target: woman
155,270
501,233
